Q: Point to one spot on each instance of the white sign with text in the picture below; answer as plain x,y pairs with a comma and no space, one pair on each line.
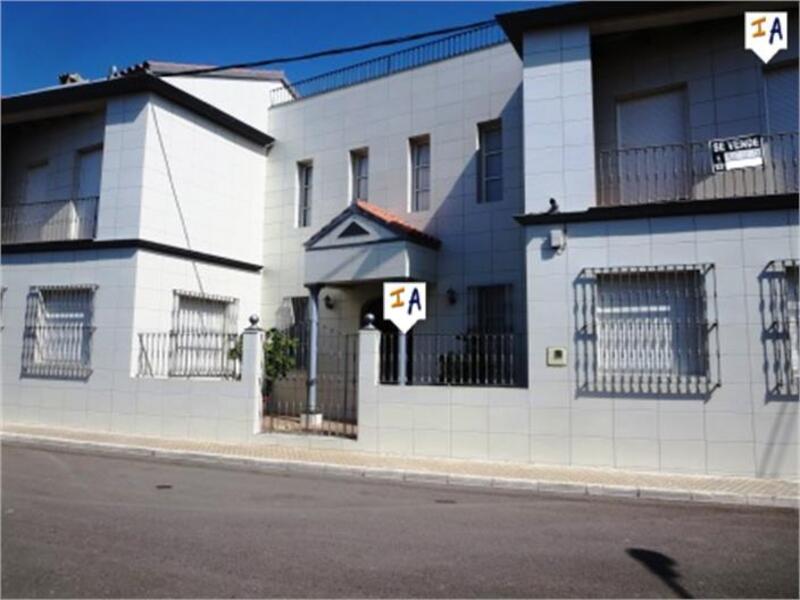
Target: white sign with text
404,303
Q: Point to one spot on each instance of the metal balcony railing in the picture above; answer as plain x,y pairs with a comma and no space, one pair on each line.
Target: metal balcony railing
72,219
482,36
684,172
188,354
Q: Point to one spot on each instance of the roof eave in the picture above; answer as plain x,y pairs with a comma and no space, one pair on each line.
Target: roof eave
121,86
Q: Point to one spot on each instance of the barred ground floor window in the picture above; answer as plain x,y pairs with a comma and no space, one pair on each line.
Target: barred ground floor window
781,334
646,330
58,331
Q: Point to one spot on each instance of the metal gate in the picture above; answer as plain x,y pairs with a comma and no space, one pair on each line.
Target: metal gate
337,385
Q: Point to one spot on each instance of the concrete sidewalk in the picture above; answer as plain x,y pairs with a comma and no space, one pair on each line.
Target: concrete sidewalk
530,477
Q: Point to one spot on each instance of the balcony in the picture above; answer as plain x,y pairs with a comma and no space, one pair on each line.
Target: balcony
59,220
684,172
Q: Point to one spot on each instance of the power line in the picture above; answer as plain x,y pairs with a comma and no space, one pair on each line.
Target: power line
332,51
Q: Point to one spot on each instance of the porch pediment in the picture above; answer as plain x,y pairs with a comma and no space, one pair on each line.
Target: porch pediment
367,243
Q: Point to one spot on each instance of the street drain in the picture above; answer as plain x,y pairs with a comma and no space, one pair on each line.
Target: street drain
445,501
163,486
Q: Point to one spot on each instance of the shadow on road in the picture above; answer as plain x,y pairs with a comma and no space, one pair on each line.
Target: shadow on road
662,566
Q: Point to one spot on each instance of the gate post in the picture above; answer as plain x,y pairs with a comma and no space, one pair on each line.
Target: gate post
369,348
253,369
312,418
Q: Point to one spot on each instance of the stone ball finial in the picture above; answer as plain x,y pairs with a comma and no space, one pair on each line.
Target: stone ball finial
254,320
369,321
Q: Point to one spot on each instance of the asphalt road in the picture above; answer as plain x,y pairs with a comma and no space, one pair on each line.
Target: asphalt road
77,525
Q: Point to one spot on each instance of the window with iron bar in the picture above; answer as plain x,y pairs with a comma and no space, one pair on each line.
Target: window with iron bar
490,163
645,329
489,309
359,161
58,331
305,178
782,335
420,173
196,312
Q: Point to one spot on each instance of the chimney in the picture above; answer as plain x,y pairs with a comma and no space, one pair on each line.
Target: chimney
69,78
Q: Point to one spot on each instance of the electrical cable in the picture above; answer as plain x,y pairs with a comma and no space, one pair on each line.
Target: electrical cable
331,51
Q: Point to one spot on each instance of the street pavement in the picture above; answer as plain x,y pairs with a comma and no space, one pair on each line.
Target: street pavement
83,525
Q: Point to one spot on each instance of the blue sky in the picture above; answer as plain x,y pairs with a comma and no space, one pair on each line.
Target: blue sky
42,39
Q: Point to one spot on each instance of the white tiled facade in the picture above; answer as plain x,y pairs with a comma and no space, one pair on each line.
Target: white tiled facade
174,178
217,177
481,244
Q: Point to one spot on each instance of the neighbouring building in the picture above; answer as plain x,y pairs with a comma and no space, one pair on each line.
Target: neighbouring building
606,286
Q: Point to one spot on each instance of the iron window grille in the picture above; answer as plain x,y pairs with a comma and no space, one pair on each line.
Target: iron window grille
781,335
305,175
204,313
646,330
420,173
490,164
359,160
489,309
200,342
57,336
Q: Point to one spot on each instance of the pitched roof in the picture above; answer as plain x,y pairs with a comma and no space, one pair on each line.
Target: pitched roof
41,103
382,217
395,223
160,67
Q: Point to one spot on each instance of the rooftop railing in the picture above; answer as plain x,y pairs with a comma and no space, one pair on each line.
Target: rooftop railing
684,172
479,38
70,219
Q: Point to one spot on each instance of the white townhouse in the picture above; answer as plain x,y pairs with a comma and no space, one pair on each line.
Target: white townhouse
601,197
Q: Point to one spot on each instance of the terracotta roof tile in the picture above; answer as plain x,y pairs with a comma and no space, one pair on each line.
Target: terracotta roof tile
394,222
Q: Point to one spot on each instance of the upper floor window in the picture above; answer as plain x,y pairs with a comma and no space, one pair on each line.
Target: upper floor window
36,183
490,162
655,119
782,98
58,331
305,178
359,164
87,172
489,308
651,137
420,173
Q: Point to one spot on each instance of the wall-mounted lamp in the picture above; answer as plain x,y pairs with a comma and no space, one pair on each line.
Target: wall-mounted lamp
451,296
329,303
